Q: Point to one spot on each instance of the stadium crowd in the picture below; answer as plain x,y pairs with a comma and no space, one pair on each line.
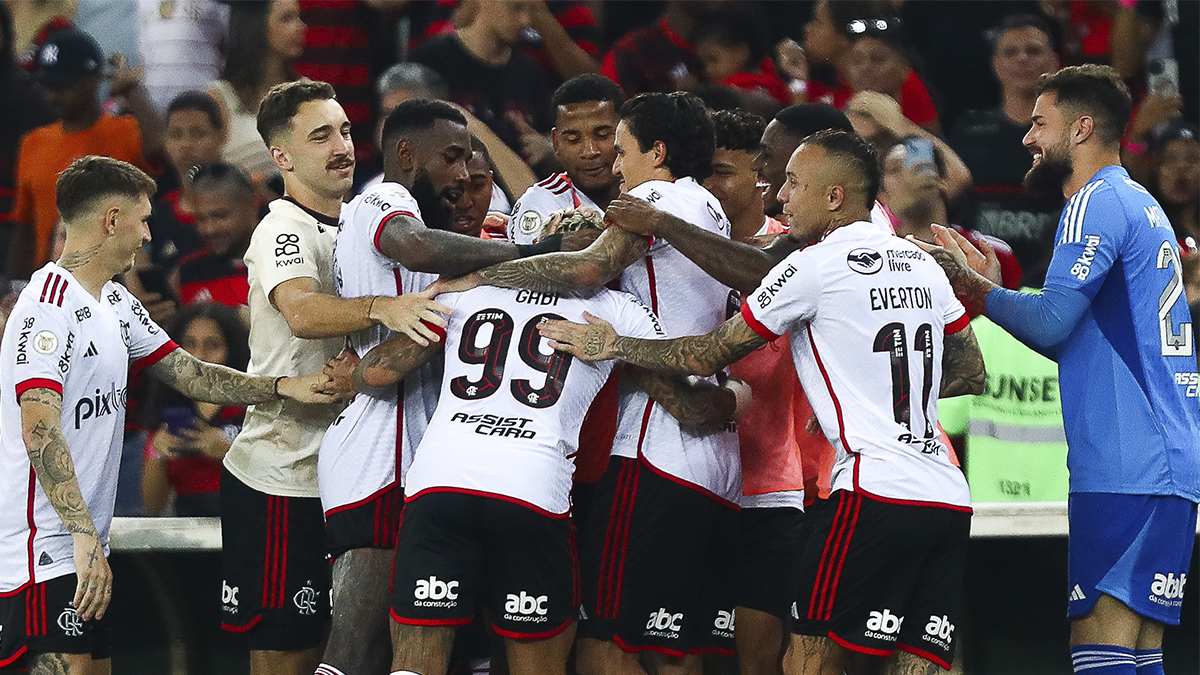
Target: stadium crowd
363,200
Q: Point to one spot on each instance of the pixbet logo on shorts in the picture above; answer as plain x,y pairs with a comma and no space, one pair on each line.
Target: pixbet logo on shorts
664,624
433,592
525,607
883,625
1167,590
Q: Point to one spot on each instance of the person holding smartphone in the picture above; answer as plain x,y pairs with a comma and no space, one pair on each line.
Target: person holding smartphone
189,439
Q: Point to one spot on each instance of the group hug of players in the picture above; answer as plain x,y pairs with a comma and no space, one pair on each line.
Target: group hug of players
447,490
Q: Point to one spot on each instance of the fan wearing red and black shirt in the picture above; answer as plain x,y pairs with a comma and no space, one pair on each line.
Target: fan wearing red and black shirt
226,211
660,57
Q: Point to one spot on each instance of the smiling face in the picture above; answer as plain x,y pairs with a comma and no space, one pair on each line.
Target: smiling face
584,143
805,195
317,150
1048,140
771,164
225,218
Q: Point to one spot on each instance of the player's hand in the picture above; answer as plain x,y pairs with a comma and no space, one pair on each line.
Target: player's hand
591,342
209,440
125,77
743,394
165,443
791,59
464,283
340,371
308,389
956,254
580,239
634,215
93,587
405,314
813,426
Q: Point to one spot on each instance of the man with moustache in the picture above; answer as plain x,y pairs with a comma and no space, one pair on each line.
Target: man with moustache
584,129
276,585
1113,314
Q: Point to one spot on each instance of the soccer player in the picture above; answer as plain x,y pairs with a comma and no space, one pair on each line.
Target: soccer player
584,129
1114,316
877,336
676,489
277,580
67,350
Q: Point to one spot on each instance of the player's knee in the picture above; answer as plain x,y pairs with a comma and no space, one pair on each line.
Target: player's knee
600,657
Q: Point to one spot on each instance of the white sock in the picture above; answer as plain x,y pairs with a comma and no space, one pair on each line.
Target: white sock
326,669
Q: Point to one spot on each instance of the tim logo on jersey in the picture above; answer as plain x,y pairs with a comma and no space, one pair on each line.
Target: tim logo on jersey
100,404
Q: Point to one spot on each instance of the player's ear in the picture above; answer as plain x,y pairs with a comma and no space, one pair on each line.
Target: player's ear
110,219
281,158
660,153
836,197
406,155
554,138
1082,129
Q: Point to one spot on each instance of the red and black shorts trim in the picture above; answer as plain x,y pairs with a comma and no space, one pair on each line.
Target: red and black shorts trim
878,576
39,619
277,579
770,543
460,550
657,564
372,522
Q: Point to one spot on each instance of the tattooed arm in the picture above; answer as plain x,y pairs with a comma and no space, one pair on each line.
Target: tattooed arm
41,415
694,355
697,404
594,266
389,362
962,365
422,249
211,383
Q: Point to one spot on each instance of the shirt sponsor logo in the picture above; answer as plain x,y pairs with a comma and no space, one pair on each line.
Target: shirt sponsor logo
664,624
45,559
23,341
70,623
496,425
1189,380
100,405
142,316
939,631
433,592
883,625
898,261
1083,264
1167,590
83,313
723,626
654,196
289,245
64,361
769,291
45,342
374,199
525,607
229,597
901,297
864,260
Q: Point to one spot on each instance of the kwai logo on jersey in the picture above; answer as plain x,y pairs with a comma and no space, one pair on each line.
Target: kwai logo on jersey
229,596
64,361
100,404
526,607
434,592
864,260
771,288
939,631
70,623
723,625
1083,264
23,342
1167,590
883,625
305,600
664,624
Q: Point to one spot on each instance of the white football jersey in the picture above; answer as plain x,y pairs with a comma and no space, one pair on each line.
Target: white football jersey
507,423
533,209
868,312
688,302
370,445
59,337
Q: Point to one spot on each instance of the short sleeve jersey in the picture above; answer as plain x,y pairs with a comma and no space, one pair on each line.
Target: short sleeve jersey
533,209
360,451
507,422
59,337
867,313
1128,369
276,452
687,301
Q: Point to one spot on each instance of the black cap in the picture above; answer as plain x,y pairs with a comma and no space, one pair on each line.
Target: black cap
66,57
1173,130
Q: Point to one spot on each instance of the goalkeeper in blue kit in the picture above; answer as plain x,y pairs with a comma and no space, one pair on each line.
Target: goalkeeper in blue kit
1114,316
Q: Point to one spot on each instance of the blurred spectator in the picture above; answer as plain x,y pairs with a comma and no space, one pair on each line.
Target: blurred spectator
585,127
114,26
1158,41
491,79
733,181
69,66
22,109
265,38
226,212
660,57
31,18
404,82
194,136
881,61
912,189
990,143
1175,180
180,45
183,453
733,46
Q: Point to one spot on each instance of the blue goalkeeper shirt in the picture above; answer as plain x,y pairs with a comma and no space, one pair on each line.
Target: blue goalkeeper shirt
1114,315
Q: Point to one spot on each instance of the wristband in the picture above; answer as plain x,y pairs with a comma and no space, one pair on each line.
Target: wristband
277,381
550,244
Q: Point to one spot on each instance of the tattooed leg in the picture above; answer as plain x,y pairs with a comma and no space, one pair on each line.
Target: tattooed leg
55,663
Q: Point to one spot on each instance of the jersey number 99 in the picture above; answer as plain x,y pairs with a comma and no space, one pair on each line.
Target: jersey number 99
494,355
